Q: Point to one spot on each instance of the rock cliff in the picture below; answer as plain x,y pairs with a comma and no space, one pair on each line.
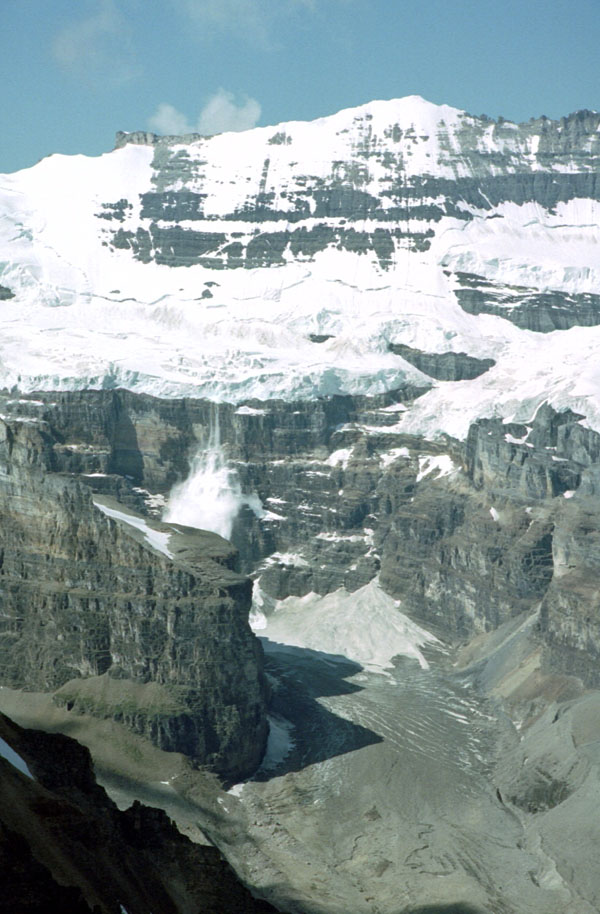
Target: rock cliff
66,846
466,534
125,618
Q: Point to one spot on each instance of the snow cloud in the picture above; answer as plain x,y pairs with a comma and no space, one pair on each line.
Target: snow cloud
97,47
220,114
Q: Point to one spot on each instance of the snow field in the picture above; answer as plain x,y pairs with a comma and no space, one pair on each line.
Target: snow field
366,626
85,315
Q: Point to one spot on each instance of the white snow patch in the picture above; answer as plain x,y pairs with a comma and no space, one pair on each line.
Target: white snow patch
512,440
366,626
394,408
288,558
340,458
271,516
250,411
14,758
443,463
155,538
237,789
494,513
156,502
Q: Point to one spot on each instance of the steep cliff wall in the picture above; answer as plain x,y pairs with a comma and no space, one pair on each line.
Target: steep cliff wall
467,535
122,617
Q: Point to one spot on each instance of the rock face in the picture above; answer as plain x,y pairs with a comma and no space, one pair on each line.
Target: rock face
467,535
148,626
445,366
528,308
478,162
66,846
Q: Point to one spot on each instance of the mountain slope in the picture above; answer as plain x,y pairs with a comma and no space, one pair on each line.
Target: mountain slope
290,262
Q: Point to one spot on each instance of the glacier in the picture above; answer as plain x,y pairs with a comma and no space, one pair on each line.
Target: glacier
103,297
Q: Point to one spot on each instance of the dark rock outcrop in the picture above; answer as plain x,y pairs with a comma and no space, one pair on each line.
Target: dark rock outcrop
528,308
65,846
444,366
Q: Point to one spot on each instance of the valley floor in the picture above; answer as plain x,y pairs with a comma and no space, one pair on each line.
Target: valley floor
380,792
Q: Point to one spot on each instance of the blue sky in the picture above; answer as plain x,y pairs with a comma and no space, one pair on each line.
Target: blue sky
76,71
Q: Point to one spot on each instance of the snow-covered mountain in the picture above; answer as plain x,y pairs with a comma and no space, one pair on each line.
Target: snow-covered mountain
428,604
337,256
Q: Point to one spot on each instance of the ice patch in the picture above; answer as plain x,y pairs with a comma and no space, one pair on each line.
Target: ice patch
512,440
250,411
279,744
442,463
271,516
155,503
14,758
288,558
155,538
340,458
237,789
394,408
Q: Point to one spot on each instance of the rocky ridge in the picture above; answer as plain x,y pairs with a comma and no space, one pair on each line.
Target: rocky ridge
66,846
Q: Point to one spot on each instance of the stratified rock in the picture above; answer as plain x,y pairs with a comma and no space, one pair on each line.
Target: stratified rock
444,366
570,610
528,308
157,638
465,534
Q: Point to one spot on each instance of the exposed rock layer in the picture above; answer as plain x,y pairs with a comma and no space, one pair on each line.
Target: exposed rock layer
121,629
530,309
445,366
467,535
